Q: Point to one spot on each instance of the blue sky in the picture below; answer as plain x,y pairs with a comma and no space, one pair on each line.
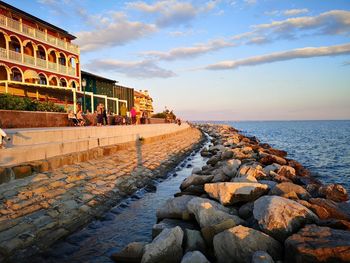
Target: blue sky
217,60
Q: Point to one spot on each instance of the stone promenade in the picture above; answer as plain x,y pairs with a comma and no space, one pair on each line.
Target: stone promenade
38,210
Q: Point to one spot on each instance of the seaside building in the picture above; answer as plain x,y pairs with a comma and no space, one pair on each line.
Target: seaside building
37,59
97,89
143,102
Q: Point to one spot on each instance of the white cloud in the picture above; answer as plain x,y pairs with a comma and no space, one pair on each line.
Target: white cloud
250,2
172,12
307,52
187,52
136,69
295,12
115,30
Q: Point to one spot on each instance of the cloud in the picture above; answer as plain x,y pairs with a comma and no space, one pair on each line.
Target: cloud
250,2
116,30
331,23
189,52
307,52
136,69
172,12
295,12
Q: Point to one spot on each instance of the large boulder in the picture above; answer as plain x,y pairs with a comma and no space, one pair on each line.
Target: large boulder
253,170
318,244
270,159
195,179
283,189
209,232
238,244
194,257
335,210
272,167
175,208
280,217
287,171
209,212
231,166
132,253
231,192
334,192
166,247
194,241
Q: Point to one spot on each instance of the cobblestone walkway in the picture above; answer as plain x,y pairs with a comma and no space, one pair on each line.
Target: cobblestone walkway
40,209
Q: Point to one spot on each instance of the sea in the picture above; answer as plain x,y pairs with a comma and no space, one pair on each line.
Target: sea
321,146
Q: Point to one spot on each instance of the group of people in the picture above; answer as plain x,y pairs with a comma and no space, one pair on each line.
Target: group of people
101,117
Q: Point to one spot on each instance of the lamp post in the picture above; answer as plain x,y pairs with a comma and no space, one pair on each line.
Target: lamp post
83,83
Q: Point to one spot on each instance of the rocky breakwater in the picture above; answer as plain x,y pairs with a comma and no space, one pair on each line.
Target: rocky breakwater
250,203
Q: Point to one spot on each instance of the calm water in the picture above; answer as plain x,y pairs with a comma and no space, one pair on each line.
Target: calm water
129,221
321,146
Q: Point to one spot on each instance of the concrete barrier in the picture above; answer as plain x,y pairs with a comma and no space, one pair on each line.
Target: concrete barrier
33,144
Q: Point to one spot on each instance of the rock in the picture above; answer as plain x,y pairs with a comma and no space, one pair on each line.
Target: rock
196,170
195,179
277,152
194,241
238,244
175,208
220,177
287,171
246,210
318,244
171,223
194,257
300,170
335,210
232,193
213,160
197,190
271,184
254,170
281,179
217,148
244,179
166,247
334,192
335,223
226,155
270,159
262,257
313,189
231,166
239,153
208,212
285,188
272,167
280,217
132,253
210,231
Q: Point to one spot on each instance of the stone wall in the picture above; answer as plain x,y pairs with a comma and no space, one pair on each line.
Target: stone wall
30,119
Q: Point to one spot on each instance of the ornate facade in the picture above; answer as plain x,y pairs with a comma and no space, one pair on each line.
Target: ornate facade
37,59
143,102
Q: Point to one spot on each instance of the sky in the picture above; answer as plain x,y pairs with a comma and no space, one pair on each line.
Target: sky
217,60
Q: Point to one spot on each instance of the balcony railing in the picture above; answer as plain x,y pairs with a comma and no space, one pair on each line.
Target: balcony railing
39,63
36,33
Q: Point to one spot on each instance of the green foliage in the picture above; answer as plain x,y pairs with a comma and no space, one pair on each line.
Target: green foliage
10,102
160,115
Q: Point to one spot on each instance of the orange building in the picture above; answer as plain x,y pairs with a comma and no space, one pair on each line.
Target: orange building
143,102
37,59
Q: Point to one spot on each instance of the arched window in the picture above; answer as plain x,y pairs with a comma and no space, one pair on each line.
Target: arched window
63,82
53,81
42,79
2,41
15,44
16,75
3,72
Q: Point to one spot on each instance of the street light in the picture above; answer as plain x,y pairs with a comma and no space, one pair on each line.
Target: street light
83,83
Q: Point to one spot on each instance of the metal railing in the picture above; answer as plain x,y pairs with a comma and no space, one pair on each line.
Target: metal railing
36,33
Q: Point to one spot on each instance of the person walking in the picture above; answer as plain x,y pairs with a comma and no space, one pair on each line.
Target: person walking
133,115
99,111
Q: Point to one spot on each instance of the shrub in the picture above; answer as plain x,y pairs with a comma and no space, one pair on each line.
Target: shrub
10,102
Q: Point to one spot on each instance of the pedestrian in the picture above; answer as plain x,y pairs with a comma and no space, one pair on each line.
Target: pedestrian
99,111
133,115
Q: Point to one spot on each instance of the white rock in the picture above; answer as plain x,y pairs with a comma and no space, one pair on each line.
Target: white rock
166,247
280,217
174,208
238,244
208,212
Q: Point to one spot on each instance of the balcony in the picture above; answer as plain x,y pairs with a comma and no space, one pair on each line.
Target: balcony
15,25
38,63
